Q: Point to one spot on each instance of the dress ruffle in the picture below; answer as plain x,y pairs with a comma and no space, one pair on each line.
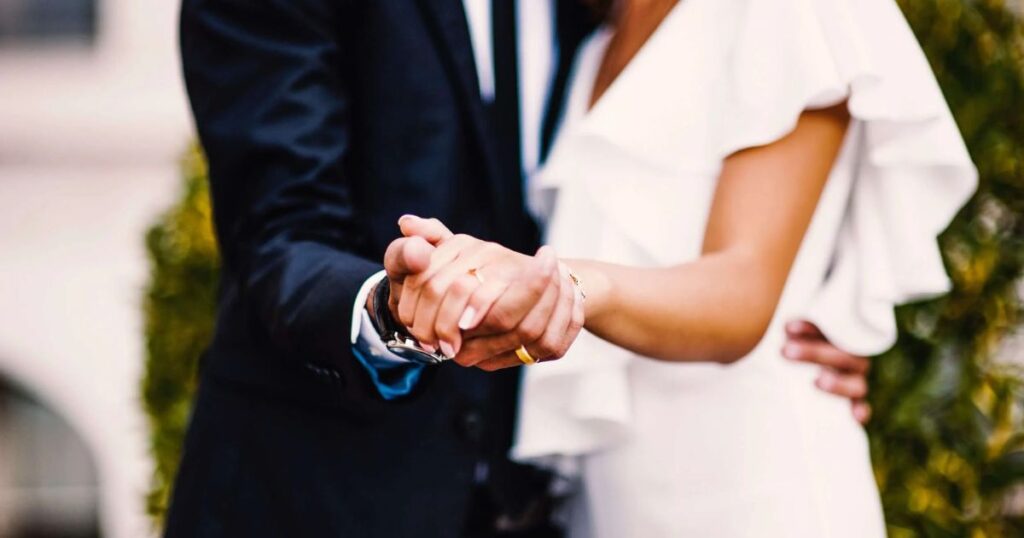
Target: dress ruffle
719,76
914,173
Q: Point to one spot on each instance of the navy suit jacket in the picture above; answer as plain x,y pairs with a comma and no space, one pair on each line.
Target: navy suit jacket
323,121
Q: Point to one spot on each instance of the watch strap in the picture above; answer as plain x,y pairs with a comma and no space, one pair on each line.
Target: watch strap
383,321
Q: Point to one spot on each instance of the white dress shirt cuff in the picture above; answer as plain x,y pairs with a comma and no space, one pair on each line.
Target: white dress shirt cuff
364,336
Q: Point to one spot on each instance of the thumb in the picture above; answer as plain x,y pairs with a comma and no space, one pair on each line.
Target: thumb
800,329
432,230
406,256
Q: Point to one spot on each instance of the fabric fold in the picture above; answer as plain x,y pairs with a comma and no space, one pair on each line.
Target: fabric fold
914,172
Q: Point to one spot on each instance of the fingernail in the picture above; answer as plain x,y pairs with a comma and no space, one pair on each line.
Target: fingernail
790,351
826,380
446,349
404,217
466,321
429,348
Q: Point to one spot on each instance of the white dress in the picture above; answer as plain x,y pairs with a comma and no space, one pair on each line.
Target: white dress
752,449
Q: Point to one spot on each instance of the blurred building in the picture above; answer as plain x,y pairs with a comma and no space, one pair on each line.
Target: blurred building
92,120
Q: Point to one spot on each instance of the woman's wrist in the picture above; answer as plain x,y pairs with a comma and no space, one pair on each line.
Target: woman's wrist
595,283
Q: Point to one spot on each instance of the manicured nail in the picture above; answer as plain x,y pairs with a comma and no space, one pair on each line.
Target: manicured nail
827,380
466,321
429,348
790,351
404,217
447,349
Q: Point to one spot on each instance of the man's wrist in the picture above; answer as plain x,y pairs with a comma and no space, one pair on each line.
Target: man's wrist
359,306
379,308
372,308
369,299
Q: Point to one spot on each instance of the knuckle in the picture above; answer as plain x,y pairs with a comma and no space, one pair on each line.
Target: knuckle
420,336
547,348
548,352
529,332
537,286
507,342
501,320
405,317
463,285
445,332
419,332
433,289
412,282
464,360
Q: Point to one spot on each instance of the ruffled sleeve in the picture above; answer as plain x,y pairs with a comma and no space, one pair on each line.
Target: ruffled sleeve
912,174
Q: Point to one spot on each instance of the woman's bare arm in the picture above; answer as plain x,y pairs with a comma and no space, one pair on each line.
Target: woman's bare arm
718,307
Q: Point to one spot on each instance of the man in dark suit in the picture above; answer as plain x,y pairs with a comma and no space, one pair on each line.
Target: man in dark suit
323,122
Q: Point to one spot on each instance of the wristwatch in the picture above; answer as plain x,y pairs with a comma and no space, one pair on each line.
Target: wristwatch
394,335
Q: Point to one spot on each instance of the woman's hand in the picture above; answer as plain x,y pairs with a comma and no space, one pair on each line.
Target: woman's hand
503,298
843,374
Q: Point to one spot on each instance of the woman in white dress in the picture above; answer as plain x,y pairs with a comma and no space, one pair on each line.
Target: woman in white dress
724,166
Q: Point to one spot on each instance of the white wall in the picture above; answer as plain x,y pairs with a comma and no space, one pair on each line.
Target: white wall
89,140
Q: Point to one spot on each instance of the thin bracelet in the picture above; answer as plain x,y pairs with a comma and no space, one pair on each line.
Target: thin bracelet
576,281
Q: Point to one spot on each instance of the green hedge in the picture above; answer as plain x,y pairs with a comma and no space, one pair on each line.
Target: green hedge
947,437
179,307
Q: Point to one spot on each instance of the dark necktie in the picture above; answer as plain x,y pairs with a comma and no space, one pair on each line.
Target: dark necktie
573,22
506,90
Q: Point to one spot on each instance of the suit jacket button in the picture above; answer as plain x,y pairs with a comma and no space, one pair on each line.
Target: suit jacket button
471,425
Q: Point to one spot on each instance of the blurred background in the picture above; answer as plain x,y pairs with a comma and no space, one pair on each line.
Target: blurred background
108,273
93,121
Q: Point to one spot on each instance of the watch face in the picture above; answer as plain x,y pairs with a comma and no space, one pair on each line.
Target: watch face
411,351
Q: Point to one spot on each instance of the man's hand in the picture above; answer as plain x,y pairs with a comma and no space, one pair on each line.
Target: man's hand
405,256
497,298
843,374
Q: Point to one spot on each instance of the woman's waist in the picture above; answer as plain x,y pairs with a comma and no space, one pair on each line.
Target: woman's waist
762,371
764,398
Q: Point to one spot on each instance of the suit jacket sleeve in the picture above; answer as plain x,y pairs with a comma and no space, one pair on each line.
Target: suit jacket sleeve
267,86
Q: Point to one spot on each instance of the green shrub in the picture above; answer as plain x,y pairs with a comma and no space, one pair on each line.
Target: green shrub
179,307
947,437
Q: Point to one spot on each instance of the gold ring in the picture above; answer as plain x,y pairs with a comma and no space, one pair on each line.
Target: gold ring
475,273
524,356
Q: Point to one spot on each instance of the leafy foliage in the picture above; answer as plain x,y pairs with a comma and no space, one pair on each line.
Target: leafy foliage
948,437
948,433
179,306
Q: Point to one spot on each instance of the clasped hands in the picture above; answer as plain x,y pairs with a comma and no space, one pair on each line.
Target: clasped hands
477,301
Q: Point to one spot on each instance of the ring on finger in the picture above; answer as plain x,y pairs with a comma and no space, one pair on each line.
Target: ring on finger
524,356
